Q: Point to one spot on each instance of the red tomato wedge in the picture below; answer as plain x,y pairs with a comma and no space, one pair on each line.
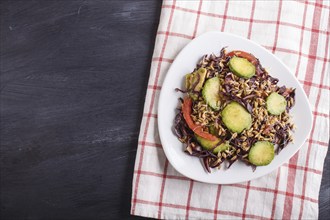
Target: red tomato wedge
245,55
186,110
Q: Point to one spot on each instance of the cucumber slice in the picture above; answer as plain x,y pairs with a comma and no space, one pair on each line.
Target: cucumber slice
236,117
276,104
211,93
242,67
209,145
222,147
206,144
261,153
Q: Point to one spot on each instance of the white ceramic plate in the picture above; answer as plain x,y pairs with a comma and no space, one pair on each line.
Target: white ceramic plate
184,63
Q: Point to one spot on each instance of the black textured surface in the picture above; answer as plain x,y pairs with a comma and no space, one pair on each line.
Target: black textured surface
73,82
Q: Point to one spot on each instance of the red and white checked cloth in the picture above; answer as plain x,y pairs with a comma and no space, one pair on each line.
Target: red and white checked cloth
298,33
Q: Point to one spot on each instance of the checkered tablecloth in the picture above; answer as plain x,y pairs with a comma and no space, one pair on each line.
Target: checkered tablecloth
295,31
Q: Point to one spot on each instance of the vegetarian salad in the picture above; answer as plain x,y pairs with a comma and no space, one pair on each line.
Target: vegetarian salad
233,110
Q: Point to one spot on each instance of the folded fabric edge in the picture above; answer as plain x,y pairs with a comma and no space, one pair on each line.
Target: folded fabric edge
133,210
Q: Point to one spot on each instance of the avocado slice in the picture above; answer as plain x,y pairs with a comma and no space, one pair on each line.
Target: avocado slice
196,78
199,80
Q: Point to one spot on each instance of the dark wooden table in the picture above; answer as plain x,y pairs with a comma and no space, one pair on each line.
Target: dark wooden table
73,82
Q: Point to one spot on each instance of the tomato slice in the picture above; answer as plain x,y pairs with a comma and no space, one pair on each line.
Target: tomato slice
186,110
245,55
